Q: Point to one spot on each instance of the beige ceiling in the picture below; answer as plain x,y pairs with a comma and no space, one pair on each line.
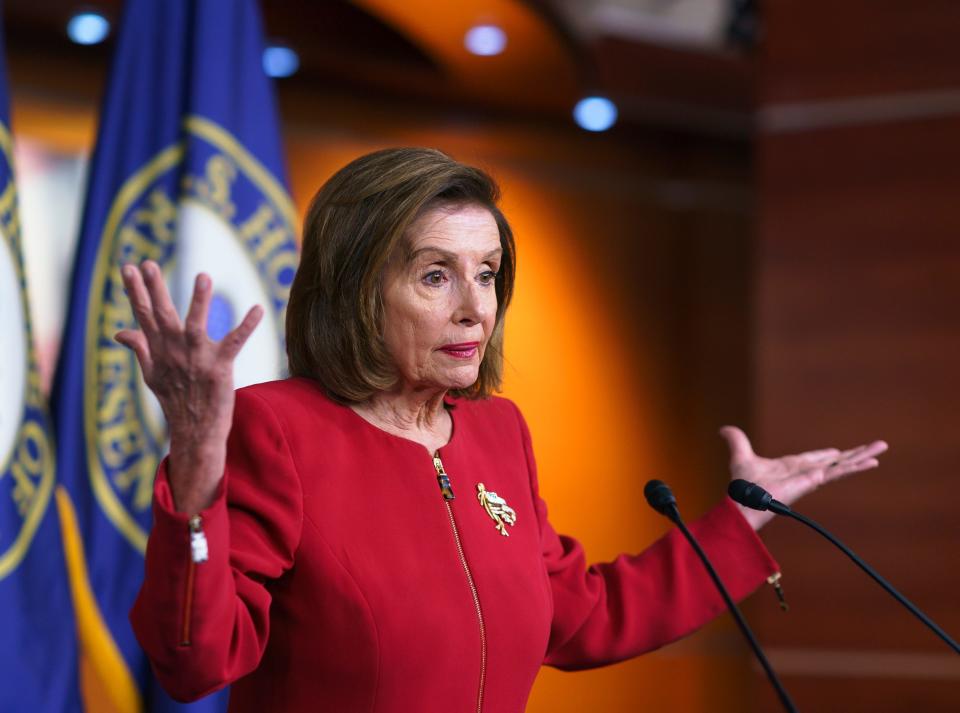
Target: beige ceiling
699,23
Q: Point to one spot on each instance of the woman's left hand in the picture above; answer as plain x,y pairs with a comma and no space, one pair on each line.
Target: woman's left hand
789,478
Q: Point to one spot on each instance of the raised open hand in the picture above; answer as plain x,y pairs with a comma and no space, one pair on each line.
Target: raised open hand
191,375
789,478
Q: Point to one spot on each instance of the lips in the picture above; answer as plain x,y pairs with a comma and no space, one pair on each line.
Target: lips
465,350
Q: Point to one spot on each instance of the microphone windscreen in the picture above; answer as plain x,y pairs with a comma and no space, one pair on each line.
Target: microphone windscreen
749,494
659,496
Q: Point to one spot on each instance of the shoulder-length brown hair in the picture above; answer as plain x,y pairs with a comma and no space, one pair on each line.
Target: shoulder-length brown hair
355,223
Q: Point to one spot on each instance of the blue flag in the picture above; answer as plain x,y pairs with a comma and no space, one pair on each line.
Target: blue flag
187,172
38,664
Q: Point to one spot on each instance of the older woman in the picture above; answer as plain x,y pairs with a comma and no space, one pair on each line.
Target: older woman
368,534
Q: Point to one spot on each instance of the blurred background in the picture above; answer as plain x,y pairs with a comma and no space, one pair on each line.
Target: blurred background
755,221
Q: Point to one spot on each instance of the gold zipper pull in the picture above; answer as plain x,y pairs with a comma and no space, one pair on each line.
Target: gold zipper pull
774,580
442,478
198,541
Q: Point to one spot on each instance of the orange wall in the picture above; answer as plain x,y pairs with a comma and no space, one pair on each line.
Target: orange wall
857,338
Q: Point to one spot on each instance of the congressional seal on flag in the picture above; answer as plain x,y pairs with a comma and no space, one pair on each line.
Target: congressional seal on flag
26,454
221,213
38,645
187,171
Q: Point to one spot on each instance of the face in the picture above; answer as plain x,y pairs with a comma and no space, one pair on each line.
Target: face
440,300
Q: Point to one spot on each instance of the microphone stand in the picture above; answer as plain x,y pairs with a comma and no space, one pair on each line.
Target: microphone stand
661,499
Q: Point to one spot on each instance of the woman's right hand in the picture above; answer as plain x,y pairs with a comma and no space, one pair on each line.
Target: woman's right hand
191,375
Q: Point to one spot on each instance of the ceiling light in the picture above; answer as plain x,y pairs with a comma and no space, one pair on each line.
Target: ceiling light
485,40
88,28
280,61
595,113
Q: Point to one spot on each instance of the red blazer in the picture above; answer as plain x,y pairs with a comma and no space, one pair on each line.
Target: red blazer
339,578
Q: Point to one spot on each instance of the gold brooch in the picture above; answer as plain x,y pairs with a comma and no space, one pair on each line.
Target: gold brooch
496,508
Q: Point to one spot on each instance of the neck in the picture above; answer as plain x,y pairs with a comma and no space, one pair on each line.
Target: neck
416,415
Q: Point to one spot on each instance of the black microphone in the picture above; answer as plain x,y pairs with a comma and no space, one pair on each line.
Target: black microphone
753,496
661,499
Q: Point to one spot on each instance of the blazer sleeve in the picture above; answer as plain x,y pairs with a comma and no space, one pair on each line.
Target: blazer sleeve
204,625
608,612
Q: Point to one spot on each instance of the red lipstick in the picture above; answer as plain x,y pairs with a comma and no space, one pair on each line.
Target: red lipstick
465,350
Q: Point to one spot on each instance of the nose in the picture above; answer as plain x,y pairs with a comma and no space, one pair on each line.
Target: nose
475,303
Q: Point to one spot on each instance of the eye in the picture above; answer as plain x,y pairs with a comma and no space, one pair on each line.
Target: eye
435,278
488,277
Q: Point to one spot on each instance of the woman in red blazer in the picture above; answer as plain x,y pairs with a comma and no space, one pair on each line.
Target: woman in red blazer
368,535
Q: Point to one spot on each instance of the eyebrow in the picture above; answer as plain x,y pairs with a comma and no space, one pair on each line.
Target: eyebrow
449,256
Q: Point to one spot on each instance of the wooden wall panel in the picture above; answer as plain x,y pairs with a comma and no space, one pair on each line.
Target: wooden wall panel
857,47
858,336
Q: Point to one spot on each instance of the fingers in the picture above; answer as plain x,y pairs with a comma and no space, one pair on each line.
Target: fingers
831,458
149,298
163,310
866,452
795,476
136,341
818,459
855,460
823,454
195,325
851,454
738,443
139,298
872,450
158,317
234,341
842,469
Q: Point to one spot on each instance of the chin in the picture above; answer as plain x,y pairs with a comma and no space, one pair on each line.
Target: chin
462,379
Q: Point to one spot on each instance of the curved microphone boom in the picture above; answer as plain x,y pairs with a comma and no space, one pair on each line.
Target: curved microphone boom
753,496
661,498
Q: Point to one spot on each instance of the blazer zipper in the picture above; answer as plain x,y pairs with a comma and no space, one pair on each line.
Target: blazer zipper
446,489
198,554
